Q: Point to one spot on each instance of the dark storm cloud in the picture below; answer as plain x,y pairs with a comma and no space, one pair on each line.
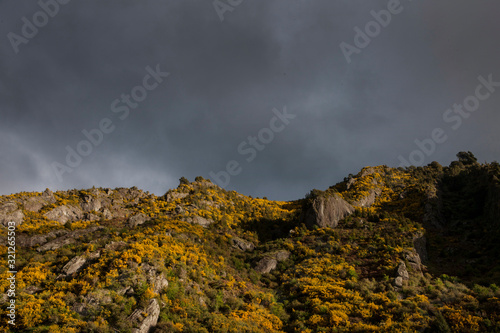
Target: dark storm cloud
226,78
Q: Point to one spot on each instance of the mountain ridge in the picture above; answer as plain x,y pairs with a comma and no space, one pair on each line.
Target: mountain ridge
388,249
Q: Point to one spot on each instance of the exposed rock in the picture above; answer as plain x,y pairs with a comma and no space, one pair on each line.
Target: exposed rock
64,214
433,208
402,271
90,203
420,245
106,213
266,265
10,212
32,290
398,282
116,246
327,211
270,261
145,319
138,219
75,264
34,204
36,240
68,238
281,255
370,198
174,195
200,220
414,261
241,244
48,196
155,279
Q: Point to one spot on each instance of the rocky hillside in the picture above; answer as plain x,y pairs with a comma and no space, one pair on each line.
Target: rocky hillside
386,250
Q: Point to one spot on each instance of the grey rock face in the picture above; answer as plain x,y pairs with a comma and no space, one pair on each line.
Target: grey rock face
241,244
10,211
370,198
66,239
64,214
398,282
270,261
327,211
75,264
155,279
138,219
402,271
266,265
199,220
144,323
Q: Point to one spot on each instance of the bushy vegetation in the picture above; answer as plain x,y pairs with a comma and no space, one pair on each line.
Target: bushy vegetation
338,279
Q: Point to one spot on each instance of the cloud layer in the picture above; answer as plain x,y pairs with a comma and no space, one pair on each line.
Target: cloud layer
226,78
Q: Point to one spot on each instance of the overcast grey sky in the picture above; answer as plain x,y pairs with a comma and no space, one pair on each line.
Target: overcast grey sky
226,77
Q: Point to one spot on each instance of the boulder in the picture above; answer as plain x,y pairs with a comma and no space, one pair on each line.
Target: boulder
144,319
398,282
200,220
266,265
241,244
402,271
154,279
270,261
327,211
173,195
64,214
138,219
75,264
90,203
10,212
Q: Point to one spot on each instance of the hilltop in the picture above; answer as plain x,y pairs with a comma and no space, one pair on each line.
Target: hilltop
385,250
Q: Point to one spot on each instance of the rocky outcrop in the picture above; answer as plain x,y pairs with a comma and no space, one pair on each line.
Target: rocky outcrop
270,261
433,208
200,220
64,214
154,278
241,244
11,212
144,319
67,239
37,240
420,245
401,275
138,219
369,200
414,262
174,195
34,204
327,211
75,264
